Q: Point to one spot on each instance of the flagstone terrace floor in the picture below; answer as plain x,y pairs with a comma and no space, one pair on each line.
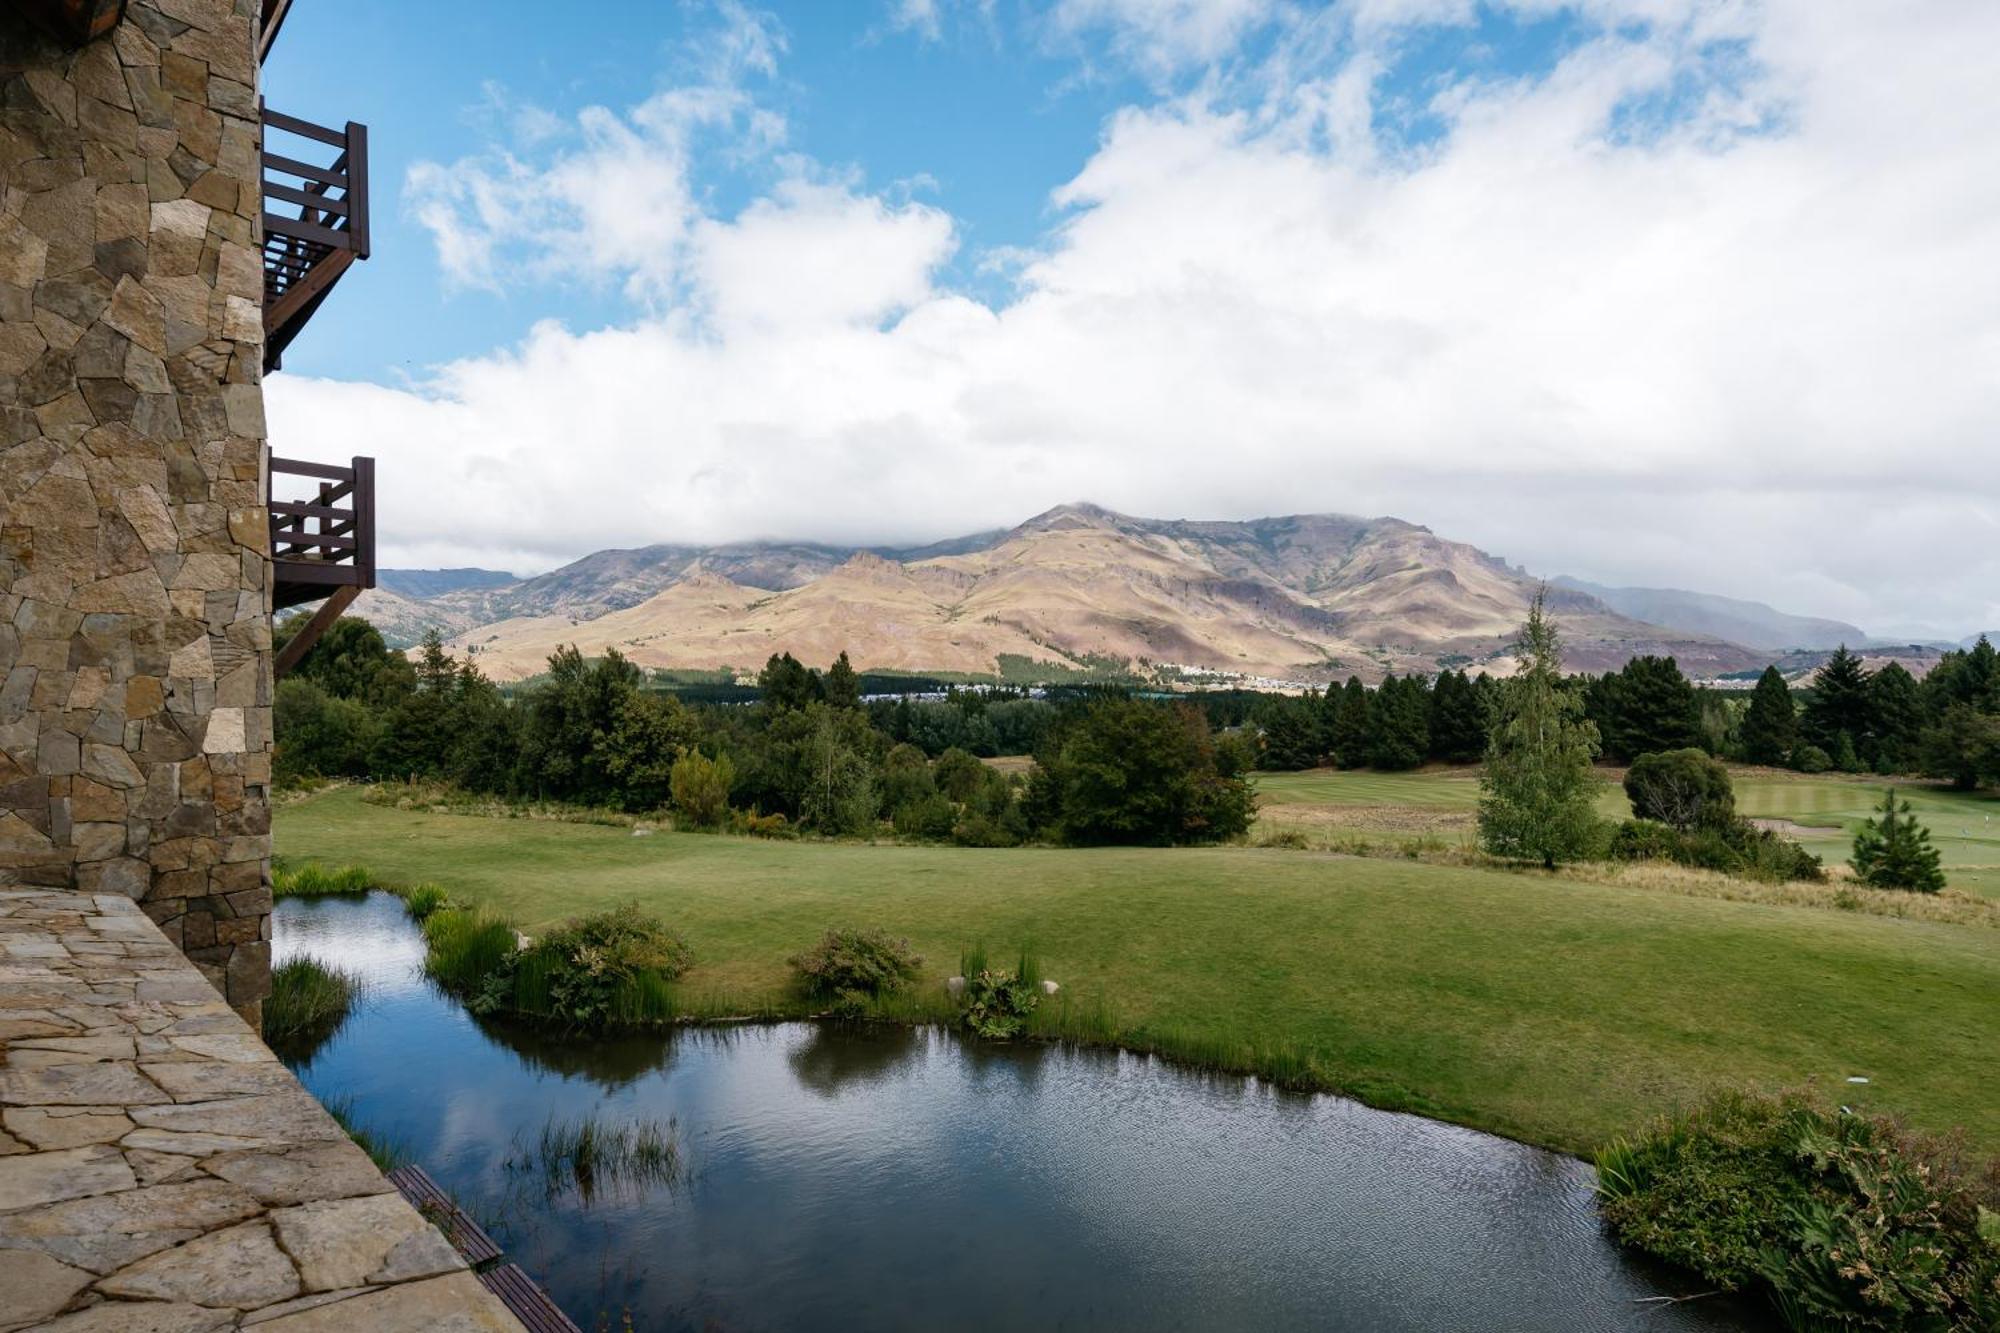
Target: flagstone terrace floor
160,1170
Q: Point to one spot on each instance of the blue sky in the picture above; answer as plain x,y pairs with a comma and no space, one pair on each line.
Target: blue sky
1687,293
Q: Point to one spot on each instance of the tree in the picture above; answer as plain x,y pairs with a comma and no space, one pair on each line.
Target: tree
1402,731
1893,851
1538,794
1653,708
1132,771
1353,724
786,683
1685,789
1840,706
701,788
1291,734
841,685
1963,745
1458,720
1896,706
1771,728
957,774
351,661
1965,676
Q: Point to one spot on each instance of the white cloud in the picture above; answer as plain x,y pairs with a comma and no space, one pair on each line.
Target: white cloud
1755,363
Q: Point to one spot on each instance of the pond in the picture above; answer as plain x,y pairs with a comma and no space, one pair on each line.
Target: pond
833,1176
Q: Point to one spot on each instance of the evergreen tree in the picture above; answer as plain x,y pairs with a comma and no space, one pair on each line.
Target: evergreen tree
1353,725
841,686
1893,851
1771,728
1458,720
1538,795
1896,703
1962,676
787,684
1291,734
1402,734
1654,709
1839,706
1963,745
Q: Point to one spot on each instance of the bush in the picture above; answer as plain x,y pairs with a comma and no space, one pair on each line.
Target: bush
754,825
700,788
1847,1221
1682,788
850,967
926,818
589,966
978,829
1811,759
997,1004
1645,840
1738,848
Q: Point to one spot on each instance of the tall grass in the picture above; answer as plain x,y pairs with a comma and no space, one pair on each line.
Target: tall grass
589,1156
464,947
421,900
310,879
309,999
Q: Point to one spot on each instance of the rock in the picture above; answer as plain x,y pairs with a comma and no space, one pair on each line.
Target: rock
29,1180
126,1317
954,986
34,1286
455,1303
60,1127
345,1242
324,1171
1050,988
78,1085
239,1267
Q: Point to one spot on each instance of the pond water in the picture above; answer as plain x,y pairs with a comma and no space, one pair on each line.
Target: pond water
835,1177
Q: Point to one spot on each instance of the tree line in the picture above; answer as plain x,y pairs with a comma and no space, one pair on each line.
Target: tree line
810,753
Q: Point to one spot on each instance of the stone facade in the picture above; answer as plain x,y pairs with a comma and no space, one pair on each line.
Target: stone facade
159,1169
135,631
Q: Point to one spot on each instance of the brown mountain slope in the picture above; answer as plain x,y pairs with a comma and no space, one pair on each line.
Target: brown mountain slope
1307,598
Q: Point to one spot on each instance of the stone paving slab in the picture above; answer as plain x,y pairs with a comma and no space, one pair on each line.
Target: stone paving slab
162,1172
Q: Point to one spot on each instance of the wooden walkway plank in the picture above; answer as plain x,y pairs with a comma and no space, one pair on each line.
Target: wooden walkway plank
466,1236
530,1304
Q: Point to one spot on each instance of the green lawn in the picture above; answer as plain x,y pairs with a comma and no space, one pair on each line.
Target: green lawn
1965,826
1558,1012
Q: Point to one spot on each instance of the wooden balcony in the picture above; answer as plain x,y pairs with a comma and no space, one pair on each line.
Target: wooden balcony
322,546
315,220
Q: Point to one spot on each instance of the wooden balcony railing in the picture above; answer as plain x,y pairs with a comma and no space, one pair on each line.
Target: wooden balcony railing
315,221
322,546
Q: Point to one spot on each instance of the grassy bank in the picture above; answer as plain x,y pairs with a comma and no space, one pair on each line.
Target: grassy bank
1555,1011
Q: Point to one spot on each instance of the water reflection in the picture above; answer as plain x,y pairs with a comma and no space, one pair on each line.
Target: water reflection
843,1177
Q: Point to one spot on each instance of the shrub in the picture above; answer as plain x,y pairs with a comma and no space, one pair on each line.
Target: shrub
591,968
977,829
754,825
1645,840
1682,788
309,1000
700,788
1811,759
1893,851
1847,1221
928,818
997,1004
850,967
1737,848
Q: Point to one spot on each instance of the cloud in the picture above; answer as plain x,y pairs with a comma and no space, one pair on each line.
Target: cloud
1709,302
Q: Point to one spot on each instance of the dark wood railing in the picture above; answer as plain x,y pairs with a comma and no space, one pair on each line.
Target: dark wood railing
315,222
322,547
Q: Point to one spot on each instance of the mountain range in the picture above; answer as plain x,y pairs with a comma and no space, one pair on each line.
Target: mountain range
1304,598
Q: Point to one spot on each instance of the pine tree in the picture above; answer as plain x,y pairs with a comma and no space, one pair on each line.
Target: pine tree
1353,725
1458,720
1896,702
1538,793
1894,851
1291,735
1654,709
1839,705
1402,723
842,686
1771,728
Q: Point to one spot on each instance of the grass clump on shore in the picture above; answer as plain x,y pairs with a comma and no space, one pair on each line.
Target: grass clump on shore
310,879
386,1153
589,1156
1846,1221
605,970
309,999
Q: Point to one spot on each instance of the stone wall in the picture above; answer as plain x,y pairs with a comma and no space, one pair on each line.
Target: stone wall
135,662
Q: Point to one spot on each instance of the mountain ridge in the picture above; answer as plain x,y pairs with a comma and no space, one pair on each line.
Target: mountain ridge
1302,597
